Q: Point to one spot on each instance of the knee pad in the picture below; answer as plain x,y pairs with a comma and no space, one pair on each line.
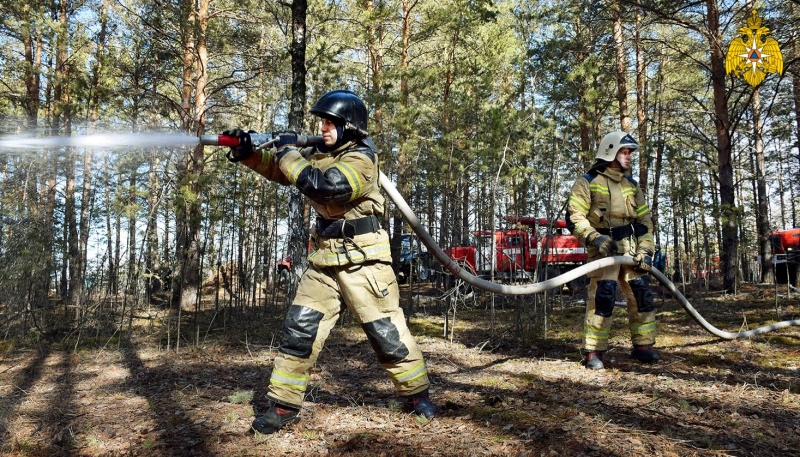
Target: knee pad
642,294
300,330
604,298
385,340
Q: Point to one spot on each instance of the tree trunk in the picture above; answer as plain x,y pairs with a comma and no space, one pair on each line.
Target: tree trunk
641,114
796,93
621,67
133,273
298,226
728,210
659,146
193,99
112,265
762,202
32,44
404,172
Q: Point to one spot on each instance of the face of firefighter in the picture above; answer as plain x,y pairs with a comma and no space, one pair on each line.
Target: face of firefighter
329,133
624,158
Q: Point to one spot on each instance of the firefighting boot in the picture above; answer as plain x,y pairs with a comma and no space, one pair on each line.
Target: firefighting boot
644,353
276,417
421,404
594,360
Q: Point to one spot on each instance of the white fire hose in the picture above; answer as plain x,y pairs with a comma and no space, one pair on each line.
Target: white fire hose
527,289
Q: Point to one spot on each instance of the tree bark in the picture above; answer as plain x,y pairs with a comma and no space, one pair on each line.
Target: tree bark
728,212
193,96
641,114
621,67
298,214
404,172
762,203
796,92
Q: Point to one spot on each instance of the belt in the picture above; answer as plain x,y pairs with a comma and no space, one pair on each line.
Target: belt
624,231
341,228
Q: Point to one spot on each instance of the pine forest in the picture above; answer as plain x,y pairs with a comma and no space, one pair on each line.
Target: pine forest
135,255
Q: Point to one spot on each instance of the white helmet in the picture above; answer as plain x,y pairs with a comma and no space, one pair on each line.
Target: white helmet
612,143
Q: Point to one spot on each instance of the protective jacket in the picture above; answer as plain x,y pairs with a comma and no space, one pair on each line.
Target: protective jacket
341,185
350,263
608,202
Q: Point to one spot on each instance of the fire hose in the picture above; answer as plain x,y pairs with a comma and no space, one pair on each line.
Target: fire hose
453,267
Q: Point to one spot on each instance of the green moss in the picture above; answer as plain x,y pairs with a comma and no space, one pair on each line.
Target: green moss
241,397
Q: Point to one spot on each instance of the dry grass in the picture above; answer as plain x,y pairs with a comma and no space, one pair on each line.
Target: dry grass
499,394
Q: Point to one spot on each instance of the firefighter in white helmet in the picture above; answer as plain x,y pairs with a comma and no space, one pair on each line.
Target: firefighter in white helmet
608,213
350,260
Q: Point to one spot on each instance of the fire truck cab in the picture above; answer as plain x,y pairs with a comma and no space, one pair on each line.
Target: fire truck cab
786,254
514,254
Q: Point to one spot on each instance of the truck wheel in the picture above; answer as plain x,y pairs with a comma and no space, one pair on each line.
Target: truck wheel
548,273
423,271
452,282
578,285
782,273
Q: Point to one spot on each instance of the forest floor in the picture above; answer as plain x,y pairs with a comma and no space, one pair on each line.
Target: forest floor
497,393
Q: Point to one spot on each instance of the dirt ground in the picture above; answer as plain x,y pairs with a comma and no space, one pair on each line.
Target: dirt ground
499,394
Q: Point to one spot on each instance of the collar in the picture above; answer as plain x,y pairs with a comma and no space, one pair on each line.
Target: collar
613,174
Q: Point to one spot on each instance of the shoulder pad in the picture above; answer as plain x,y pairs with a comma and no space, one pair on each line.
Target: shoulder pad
367,141
366,150
590,175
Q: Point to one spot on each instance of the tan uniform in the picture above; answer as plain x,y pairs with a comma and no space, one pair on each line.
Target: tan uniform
346,267
608,202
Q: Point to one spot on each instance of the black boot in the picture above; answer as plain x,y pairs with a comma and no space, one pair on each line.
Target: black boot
421,404
276,417
644,353
594,360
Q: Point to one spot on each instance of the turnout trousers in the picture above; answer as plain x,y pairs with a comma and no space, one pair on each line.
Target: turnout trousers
600,306
370,292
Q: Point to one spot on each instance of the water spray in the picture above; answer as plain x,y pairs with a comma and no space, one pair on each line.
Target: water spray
110,141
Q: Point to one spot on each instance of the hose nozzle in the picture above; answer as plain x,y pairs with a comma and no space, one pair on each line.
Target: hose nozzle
260,140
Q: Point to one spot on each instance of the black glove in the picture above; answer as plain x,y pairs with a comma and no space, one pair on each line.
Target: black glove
284,138
245,148
644,261
606,245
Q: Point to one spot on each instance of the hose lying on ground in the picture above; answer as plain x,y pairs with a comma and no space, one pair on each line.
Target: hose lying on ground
527,289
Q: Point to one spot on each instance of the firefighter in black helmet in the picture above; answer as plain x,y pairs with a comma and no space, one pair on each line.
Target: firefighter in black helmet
350,259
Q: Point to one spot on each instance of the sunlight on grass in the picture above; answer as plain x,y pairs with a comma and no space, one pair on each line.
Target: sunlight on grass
241,397
421,420
92,343
394,405
426,327
93,441
496,382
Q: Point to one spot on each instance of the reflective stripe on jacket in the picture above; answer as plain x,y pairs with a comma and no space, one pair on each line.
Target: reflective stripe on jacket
609,199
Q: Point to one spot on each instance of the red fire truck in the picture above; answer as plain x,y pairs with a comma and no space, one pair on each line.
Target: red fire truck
515,253
786,254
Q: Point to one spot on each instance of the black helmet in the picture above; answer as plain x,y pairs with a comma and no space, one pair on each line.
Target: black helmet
345,108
